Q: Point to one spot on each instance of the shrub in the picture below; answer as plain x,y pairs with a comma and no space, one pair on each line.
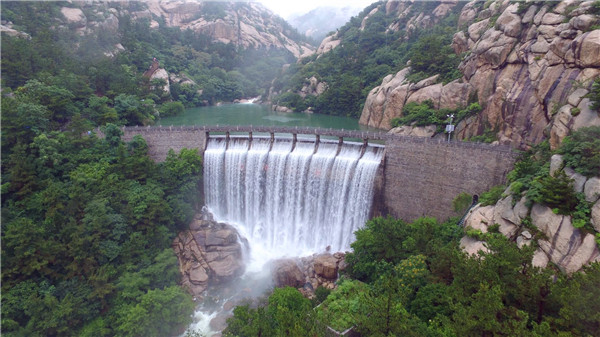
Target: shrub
492,196
462,202
171,109
581,151
554,192
575,111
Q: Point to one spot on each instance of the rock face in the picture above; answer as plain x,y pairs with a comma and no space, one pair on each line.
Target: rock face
559,242
531,70
386,101
308,273
248,24
208,253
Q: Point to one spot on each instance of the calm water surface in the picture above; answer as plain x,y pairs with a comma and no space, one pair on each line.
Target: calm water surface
256,114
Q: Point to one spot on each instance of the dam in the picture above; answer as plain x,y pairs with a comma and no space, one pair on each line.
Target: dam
415,176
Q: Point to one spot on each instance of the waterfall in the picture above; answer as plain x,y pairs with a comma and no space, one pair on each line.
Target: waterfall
293,200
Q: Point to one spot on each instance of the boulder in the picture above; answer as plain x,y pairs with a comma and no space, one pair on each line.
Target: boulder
592,190
528,16
472,246
537,19
460,43
475,30
509,22
560,126
587,117
576,96
208,253
161,74
74,16
286,272
566,246
480,217
578,179
583,22
546,221
329,43
552,19
326,266
587,48
540,259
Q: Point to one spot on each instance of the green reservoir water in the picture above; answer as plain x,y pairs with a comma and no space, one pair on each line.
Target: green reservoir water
256,114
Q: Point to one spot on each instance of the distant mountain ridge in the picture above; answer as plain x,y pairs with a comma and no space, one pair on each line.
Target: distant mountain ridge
321,21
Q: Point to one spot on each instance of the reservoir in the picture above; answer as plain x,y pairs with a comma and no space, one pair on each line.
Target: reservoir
256,114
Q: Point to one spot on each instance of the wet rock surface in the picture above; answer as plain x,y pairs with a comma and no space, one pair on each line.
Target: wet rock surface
208,253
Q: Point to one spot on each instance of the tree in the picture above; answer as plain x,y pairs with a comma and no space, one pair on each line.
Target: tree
158,313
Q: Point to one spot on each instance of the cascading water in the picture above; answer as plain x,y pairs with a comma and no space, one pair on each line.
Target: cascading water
286,200
290,200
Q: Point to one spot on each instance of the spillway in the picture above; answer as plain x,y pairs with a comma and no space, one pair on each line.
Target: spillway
291,198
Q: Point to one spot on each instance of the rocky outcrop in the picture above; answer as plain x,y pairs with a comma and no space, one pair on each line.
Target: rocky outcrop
386,101
6,27
248,25
558,241
208,253
308,273
328,43
313,87
531,66
157,73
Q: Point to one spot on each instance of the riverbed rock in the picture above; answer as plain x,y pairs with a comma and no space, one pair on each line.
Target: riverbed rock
208,253
286,272
326,266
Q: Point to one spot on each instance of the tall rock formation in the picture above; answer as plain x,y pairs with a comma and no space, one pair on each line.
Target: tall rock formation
530,64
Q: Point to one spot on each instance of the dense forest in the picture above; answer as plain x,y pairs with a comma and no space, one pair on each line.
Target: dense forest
88,222
368,53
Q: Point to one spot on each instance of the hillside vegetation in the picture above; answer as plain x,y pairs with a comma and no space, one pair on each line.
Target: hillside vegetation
368,51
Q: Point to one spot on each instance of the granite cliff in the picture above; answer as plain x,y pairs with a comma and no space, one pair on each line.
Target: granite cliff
530,65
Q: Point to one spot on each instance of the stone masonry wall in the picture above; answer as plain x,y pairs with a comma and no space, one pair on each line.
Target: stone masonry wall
160,140
422,177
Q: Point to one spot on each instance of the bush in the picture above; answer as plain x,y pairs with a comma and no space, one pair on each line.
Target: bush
171,109
462,202
492,196
554,192
581,151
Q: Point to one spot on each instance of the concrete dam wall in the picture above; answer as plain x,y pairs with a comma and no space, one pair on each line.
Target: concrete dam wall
417,176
